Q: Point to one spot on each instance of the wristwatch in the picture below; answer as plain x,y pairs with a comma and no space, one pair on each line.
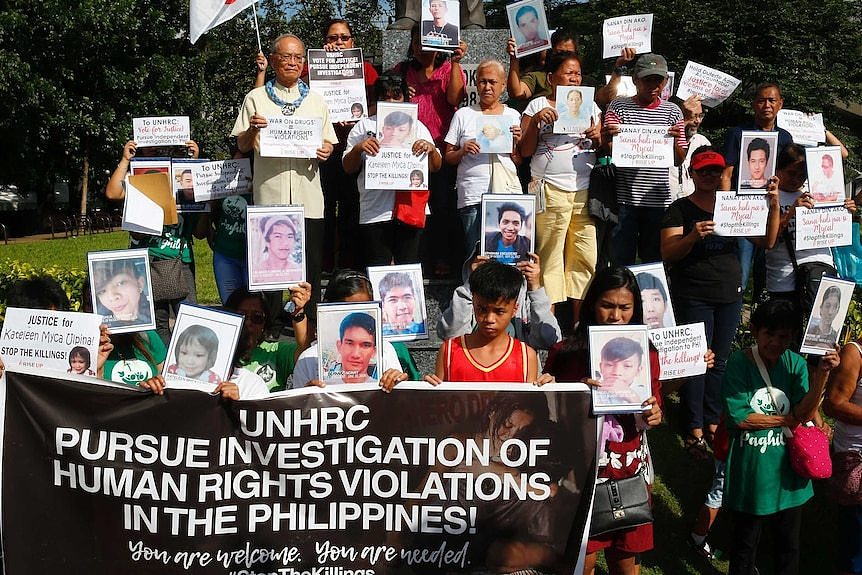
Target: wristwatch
298,316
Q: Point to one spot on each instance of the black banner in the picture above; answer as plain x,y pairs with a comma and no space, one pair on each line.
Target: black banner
101,479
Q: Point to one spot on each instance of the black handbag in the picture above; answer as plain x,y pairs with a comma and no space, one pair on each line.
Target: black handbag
807,276
620,504
169,278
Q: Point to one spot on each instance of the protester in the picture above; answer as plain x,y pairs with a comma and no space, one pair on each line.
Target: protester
478,171
610,90
761,488
844,403
174,242
533,322
384,234
681,183
225,229
643,193
490,354
273,362
705,285
565,232
436,83
293,181
523,87
348,286
613,298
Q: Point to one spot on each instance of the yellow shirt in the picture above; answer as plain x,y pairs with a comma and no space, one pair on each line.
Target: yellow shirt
286,180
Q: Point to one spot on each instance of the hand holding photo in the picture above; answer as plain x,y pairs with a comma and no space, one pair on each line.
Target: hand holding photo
120,289
827,315
494,134
402,294
574,109
619,361
507,224
397,125
756,160
350,343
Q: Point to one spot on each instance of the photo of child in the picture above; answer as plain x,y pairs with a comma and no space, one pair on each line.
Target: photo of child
79,361
618,362
120,289
201,350
417,179
195,354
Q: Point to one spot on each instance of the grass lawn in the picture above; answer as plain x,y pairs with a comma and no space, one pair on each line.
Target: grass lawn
681,482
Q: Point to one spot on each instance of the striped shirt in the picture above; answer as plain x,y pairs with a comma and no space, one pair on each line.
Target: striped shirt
645,187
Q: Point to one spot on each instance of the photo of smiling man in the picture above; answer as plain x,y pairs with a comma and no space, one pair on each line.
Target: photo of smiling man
507,221
349,340
402,295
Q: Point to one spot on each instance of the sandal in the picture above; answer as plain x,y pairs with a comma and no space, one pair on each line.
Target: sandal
703,549
696,447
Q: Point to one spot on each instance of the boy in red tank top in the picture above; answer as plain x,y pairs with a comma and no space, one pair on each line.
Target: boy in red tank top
490,353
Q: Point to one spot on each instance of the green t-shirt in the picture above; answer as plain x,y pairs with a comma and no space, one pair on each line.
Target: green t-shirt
127,364
273,361
230,232
167,245
408,366
760,480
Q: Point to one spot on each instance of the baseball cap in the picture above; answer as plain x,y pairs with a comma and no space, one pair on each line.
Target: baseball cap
707,158
650,65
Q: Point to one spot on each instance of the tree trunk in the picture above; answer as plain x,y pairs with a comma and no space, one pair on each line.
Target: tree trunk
85,181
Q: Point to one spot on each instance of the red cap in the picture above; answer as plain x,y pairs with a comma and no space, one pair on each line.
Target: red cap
706,159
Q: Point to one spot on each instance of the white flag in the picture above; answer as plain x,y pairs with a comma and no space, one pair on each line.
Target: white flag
204,15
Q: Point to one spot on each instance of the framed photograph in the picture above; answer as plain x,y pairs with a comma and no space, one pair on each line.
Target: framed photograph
349,342
141,166
619,359
441,24
401,293
529,27
182,180
825,175
120,289
827,316
655,293
508,230
756,161
574,106
276,247
397,125
202,345
494,134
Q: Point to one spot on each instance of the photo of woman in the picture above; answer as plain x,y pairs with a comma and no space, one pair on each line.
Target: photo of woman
120,289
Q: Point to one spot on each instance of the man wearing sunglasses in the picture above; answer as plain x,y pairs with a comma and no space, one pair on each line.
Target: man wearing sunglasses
681,184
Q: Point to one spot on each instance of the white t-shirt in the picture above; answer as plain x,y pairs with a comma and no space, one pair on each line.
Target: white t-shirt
474,170
564,160
306,365
779,267
250,384
374,205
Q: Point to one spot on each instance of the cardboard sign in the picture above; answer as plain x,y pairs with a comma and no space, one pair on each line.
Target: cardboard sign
216,180
339,77
627,32
637,146
680,350
396,170
291,137
149,204
740,216
823,227
806,129
161,131
713,86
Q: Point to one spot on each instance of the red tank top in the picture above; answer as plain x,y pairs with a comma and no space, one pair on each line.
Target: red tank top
460,365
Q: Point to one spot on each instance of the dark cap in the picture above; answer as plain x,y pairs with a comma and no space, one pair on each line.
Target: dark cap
650,65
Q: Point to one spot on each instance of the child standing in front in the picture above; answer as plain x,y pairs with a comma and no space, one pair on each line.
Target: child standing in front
490,353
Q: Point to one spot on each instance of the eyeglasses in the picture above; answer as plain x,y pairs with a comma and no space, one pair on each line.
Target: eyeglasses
255,317
337,37
299,58
709,171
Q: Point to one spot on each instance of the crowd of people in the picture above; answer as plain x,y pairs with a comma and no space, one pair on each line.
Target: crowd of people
503,314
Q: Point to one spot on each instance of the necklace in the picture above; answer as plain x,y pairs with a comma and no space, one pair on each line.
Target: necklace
287,108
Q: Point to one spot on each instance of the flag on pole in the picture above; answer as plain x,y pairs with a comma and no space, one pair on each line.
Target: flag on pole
204,15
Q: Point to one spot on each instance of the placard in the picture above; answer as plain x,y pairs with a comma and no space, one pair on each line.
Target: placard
396,170
276,249
339,76
806,129
827,315
637,146
740,216
494,134
161,131
349,343
202,347
149,204
402,295
823,227
58,341
441,28
825,175
633,31
508,227
574,105
713,86
291,137
120,289
216,180
655,295
619,361
681,350
184,186
528,25
757,153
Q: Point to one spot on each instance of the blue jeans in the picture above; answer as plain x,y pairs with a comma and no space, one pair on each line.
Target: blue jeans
230,274
471,221
746,256
701,394
637,234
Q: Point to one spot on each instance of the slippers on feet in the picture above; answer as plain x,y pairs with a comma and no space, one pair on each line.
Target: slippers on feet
696,447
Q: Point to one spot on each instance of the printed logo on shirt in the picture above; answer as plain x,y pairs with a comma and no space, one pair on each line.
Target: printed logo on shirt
131,371
762,403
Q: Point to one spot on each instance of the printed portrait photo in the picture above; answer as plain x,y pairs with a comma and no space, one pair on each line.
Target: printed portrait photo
349,342
574,106
120,289
827,315
494,134
528,26
825,175
655,293
402,296
276,246
202,345
619,360
507,226
184,188
397,125
440,24
757,160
